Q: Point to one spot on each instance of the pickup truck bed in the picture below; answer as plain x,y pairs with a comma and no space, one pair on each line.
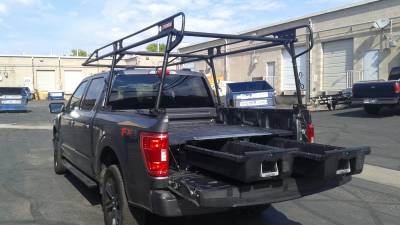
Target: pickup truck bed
207,191
213,177
182,132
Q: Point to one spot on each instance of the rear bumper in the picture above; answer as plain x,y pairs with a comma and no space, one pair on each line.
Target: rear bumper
169,204
375,101
19,107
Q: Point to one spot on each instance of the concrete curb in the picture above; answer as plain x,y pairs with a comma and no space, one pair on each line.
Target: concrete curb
380,175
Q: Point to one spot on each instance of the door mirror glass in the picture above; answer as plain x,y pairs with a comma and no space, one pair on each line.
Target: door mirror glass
56,107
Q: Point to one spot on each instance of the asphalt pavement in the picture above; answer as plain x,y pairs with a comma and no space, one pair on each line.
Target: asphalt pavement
353,127
31,193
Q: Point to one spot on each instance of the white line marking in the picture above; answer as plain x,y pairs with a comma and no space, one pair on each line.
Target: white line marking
25,127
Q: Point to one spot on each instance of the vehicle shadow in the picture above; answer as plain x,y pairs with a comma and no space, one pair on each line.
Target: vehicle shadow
270,216
91,195
385,112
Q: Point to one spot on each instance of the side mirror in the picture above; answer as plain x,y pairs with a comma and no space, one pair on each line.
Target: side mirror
56,107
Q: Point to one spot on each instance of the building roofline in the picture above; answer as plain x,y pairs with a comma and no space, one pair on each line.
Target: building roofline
319,13
43,56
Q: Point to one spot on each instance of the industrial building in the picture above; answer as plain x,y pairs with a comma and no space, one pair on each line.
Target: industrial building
352,43
53,73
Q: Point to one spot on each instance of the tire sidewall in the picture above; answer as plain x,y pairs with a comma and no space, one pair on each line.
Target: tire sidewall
58,166
128,217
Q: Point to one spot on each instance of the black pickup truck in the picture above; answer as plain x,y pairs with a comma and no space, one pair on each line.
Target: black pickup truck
159,141
377,94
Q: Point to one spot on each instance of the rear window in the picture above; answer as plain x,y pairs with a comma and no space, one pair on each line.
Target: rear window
10,91
249,86
395,74
140,92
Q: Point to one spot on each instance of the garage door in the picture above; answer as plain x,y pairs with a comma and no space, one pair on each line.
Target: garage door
337,60
72,78
45,80
287,81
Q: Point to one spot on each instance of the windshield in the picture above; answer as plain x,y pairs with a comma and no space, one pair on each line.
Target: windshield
140,92
10,91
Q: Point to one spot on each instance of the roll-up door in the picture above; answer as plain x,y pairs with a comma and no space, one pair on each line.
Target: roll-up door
45,80
337,61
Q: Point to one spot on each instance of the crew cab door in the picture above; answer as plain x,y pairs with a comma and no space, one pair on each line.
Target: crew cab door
68,140
84,124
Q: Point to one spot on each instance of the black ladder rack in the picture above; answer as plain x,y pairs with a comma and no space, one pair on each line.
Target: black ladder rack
167,28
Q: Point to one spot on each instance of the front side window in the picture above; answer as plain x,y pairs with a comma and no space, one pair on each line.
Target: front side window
77,96
140,92
93,93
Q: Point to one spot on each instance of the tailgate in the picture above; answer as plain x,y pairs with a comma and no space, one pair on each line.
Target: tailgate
262,170
374,90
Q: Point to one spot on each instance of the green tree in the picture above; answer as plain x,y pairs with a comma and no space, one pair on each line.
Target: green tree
153,47
78,52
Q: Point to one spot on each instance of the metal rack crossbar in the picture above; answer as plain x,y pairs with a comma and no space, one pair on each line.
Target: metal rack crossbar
167,28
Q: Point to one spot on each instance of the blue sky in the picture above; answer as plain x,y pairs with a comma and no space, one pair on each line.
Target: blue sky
44,26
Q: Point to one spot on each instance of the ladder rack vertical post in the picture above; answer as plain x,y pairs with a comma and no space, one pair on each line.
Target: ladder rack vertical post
164,71
292,52
110,77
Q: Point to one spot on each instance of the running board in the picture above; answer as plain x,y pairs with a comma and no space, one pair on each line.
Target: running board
81,176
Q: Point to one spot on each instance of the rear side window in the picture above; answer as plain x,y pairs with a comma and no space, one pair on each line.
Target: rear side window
93,93
140,92
10,91
77,96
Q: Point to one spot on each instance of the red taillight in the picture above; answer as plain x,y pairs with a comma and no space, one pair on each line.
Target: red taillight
310,133
159,72
154,147
397,88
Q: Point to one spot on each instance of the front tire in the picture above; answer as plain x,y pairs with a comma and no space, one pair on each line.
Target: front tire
372,109
114,202
59,167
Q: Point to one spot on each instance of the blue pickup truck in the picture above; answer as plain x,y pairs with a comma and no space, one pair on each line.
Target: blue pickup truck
376,94
14,98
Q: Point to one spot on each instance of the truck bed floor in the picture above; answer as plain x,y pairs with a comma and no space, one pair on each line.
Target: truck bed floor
180,132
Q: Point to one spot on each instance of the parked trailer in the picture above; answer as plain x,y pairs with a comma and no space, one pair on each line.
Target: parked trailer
332,100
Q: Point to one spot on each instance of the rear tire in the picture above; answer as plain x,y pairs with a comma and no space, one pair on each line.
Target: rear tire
114,202
59,167
372,109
